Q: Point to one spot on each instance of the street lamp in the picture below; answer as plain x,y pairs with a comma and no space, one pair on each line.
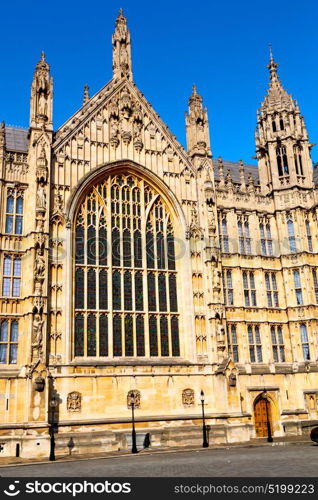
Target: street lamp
131,403
269,431
53,405
205,443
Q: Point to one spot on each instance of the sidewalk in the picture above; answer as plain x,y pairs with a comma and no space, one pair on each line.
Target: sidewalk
254,443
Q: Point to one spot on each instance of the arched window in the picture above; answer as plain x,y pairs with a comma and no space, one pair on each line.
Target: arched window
298,160
125,268
282,161
291,236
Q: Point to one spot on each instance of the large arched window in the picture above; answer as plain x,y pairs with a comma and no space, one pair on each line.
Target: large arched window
125,293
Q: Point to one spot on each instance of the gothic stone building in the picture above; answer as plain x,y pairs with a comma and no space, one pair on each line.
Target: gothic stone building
135,271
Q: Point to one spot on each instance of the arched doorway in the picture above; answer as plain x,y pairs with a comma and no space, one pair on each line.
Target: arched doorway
263,416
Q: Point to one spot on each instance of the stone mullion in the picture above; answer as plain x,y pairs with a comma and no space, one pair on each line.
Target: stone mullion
143,229
108,216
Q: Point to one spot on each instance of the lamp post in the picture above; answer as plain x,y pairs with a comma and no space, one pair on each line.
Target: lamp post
269,431
132,402
53,405
205,443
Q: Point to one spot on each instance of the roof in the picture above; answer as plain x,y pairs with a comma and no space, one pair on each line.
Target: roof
234,168
17,139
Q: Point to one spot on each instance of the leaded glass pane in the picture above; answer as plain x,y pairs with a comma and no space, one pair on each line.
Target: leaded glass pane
117,347
91,335
257,335
306,352
139,292
91,246
103,289
18,224
79,289
150,250
129,344
173,293
153,336
13,354
171,251
164,339
116,247
162,292
250,335
17,267
151,292
303,331
79,335
137,249
4,331
9,224
16,287
116,290
79,245
127,248
102,247
3,353
234,336
160,251
175,336
103,335
19,207
91,289
7,266
127,291
14,331
10,204
140,336
6,287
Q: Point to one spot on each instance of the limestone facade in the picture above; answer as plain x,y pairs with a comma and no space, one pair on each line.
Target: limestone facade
131,267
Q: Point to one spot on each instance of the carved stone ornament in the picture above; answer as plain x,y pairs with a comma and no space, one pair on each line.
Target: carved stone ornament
232,379
188,397
37,336
311,401
133,397
39,384
74,401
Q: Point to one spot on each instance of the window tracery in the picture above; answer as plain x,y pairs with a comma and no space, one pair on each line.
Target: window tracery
125,272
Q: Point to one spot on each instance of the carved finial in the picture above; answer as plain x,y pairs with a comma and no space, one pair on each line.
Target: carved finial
242,177
121,48
272,66
194,89
221,171
42,55
86,94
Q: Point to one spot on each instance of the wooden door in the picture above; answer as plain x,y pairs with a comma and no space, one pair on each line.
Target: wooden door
260,415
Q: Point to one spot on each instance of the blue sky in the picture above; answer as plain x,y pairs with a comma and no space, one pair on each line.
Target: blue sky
220,46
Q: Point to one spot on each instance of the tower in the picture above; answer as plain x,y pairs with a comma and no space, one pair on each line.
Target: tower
197,126
121,49
282,145
41,96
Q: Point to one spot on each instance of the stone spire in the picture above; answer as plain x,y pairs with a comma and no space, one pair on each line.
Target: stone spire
86,95
277,98
197,126
41,96
282,146
122,67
